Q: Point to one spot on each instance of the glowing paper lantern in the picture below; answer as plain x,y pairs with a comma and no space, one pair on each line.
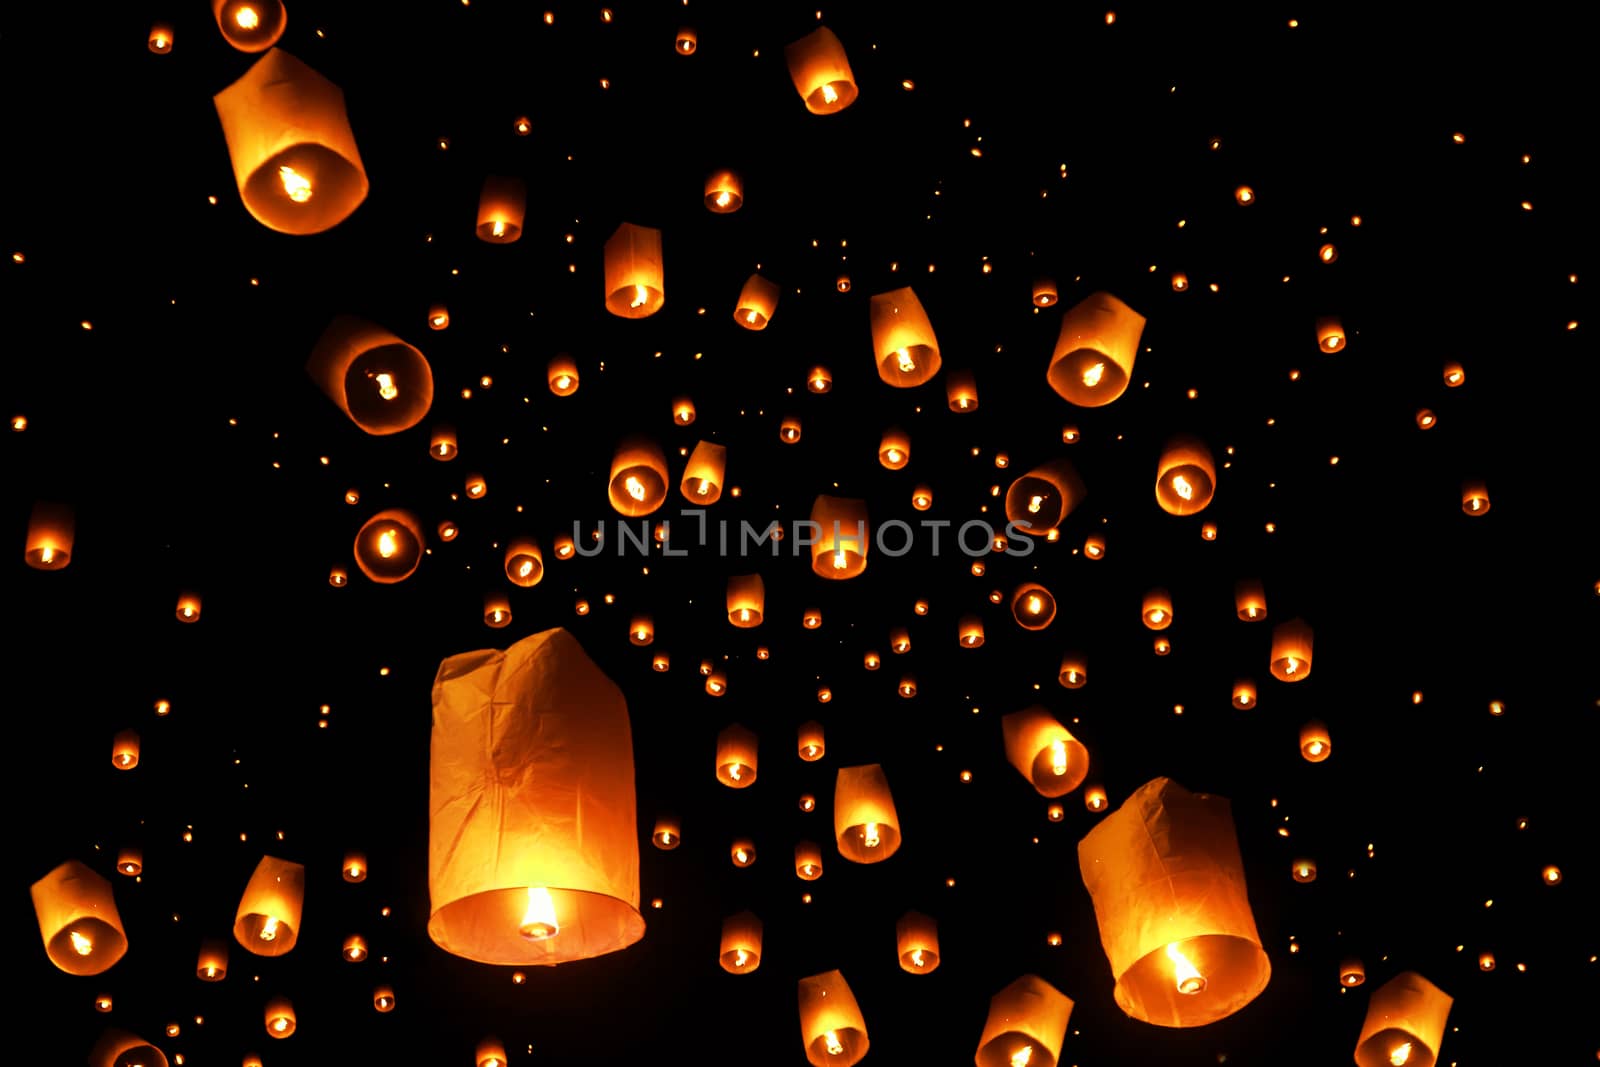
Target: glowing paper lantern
638,477
118,1048
1037,502
267,921
382,383
746,598
496,611
1249,600
1044,292
820,380
1044,752
894,450
212,966
383,999
635,279
1094,798
1474,498
443,446
641,631
702,478
840,550
1094,547
736,757
970,631
1074,671
1095,351
902,339
917,939
562,375
1330,334
832,1029
501,206
1352,973
1026,1025
742,852
355,867
50,532
811,744
78,919
280,1017
250,25
491,1052
1180,282
865,824
1157,610
438,317
1244,694
807,860
1454,374
1315,744
687,41
524,562
961,391
1186,477
741,943
821,73
160,39
1169,896
1405,1023
724,192
1033,606
532,854
130,861
125,750
388,546
294,155
188,609
666,835
757,302
1291,651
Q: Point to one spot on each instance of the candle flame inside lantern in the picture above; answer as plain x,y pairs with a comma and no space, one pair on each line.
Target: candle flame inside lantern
1315,748
1035,504
81,945
1157,615
1190,981
635,487
916,958
641,297
295,185
1058,757
563,382
893,455
47,555
723,199
869,835
907,364
839,560
733,771
832,1038
741,855
247,18
386,387
1401,1054
1291,665
1092,376
741,959
388,544
280,1024
269,929
539,920
829,96
525,569
1181,486
1022,1057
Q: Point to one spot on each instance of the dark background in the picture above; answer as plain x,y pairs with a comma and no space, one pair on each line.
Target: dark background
185,433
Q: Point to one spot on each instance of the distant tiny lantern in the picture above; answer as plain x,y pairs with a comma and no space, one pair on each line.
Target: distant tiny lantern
736,757
741,943
1094,546
1027,1023
1303,870
820,380
1094,353
188,609
758,300
501,207
1157,610
1330,334
638,477
355,867
832,1029
102,1003
562,375
1244,196
1486,961
1426,419
1074,671
821,72
1405,1023
807,860
811,619
1033,606
634,276
1291,651
789,430
1037,502
1183,947
383,999
1208,531
1162,646
1551,875
1250,600
1180,281
475,487
382,383
724,192
1352,973
900,640
704,474
747,596
267,921
496,611
922,498
641,631
842,283
1055,812
443,444
130,861
908,686
871,661
961,391
683,412
840,550
742,852
894,450
1474,498
1315,744
1044,292
160,39
491,1052
1454,375
388,546
1094,798
50,536
78,919
338,577
118,1048
969,631
1044,752
524,564
917,939
1328,253
902,339
811,744
666,835
250,25
687,41
125,750
448,531
212,966
1244,694
1186,476
865,823
294,155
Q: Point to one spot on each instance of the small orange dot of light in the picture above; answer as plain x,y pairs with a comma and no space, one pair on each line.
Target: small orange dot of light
1193,393
1459,138
950,883
1416,697
805,898
1294,376
966,776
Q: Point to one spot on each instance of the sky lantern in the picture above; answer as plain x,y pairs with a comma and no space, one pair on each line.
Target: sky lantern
524,563
1074,672
1249,600
1045,293
1094,547
354,868
1244,694
666,835
1095,351
1405,1023
442,445
250,25
1351,973
1244,196
1169,894
641,631
1330,335
902,339
747,596
894,450
130,861
716,683
383,999
267,921
635,278
1044,752
840,550
294,155
865,823
742,852
388,546
687,41
1454,374
683,412
160,39
501,206
724,192
496,611
438,317
532,853
280,1017
188,609
1033,606
1186,476
1291,651
703,476
78,919
562,375
1474,498
212,966
1027,1023
819,380
119,1048
1303,869
832,1029
491,1052
1037,502
969,631
125,750
1094,798
1315,744
638,477
917,940
384,384
961,391
1180,282
810,741
1157,610
50,531
741,943
821,72
757,302
736,757
807,860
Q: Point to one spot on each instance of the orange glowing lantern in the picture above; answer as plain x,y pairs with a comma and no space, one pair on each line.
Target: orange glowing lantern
1244,196
1426,419
491,1052
1094,547
1486,961
902,339
533,856
683,412
118,1048
564,546
50,535
807,859
1169,896
832,1029
1033,606
188,609
448,531
1162,646
267,921
1303,870
250,25
865,823
961,391
1027,1023
687,42
821,73
1551,875
475,487
1351,973
383,999
1405,1023
160,39
811,619
908,686
1157,611
1454,374
970,631
666,835
1074,671
1250,600
1095,351
638,477
716,684
212,966
294,155
747,596
789,430
524,563
742,852
1330,334
443,445
894,450
900,640
1037,502
1094,798
1474,498
562,375
280,1017
842,283
1044,752
702,478
1045,293
811,744
1186,477
78,919
922,498
1180,282
757,302
1291,651
635,285
438,317
741,943
840,550
338,578
382,383
641,631
125,750
1244,694
501,207
917,940
496,611
736,757
724,192
1315,744
355,867
820,380
388,546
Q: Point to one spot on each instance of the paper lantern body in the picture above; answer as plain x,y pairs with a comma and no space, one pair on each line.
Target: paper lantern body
865,823
74,900
1186,476
736,756
1038,501
821,72
1028,1013
1164,870
828,1011
702,478
902,339
249,25
724,192
393,531
1291,651
276,891
1406,1009
842,537
917,940
1094,354
747,596
531,787
638,477
741,943
294,155
757,302
501,207
50,530
118,1048
1031,738
635,277
382,383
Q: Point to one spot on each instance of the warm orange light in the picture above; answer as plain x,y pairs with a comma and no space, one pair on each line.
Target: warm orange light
970,631
1249,600
280,1017
1454,374
1074,671
1291,651
687,41
961,391
634,275
1244,694
746,600
917,939
1033,606
1185,476
1095,351
355,867
821,72
736,757
1303,870
1474,498
724,193
757,303
1315,743
562,375
1551,875
811,743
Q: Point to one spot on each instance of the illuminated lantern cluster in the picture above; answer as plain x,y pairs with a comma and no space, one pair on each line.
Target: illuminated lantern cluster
1094,353
1044,752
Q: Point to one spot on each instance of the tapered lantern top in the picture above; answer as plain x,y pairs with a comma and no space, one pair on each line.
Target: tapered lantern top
382,383
902,339
1095,352
635,277
1026,1024
294,155
533,856
1404,1024
831,1025
1169,895
268,919
865,823
821,72
78,919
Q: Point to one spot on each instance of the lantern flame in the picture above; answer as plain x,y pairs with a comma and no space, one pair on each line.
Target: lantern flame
832,1038
641,297
211,970
388,544
1190,981
1058,757
386,386
526,568
1157,615
907,364
563,381
839,560
1035,605
634,487
1401,1054
1022,1056
1092,376
723,199
734,770
893,455
269,929
1035,504
704,488
539,920
1291,665
916,957
1181,486
870,836
741,855
48,555
1315,748
741,959
81,945
280,1024
751,316
666,837
296,186
829,96
247,18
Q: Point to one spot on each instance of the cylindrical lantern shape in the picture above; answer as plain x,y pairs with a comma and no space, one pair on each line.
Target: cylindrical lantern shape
382,383
666,835
810,741
1027,1023
1169,896
970,631
1474,498
1044,292
683,412
742,852
1095,351
660,661
741,943
1303,870
1094,798
564,546
389,546
130,861
125,750
1157,610
475,486
736,757
1352,973
491,1052
840,550
635,279
1038,501
1186,477
562,375
355,867
280,1017
524,562
902,339
724,192
1094,547
961,391
1250,600
1033,606
820,380
894,450
78,919
808,860
383,999
1404,1024
294,155
1315,744
1244,694
1074,671
821,73
496,610
160,39
1454,374
443,444
532,853
716,683
250,25
267,921
789,430
1330,334
50,530
702,478
747,597
641,631
188,609
811,618
757,301
1291,651
864,820
900,640
908,686
212,966
638,477
831,1027
438,317
687,41
118,1048
1180,282
501,207
1044,752
917,939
